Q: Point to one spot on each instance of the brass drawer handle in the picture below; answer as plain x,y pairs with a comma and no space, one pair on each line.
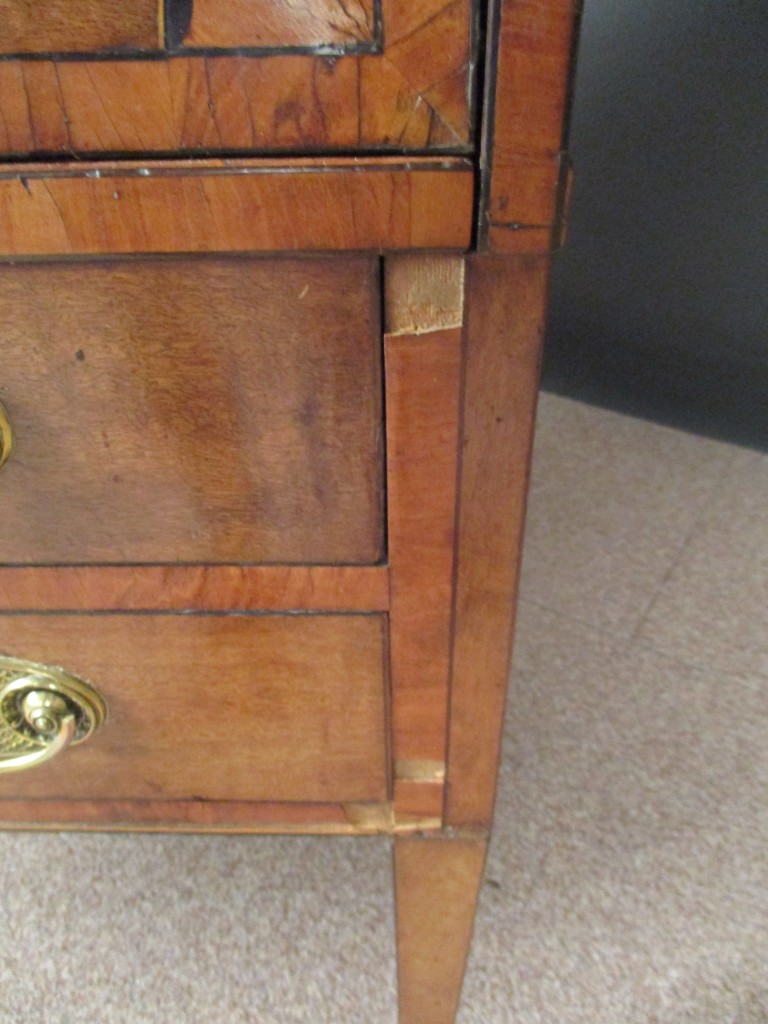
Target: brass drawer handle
6,435
42,711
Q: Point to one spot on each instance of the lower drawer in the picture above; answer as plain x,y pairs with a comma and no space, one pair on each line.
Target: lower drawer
215,707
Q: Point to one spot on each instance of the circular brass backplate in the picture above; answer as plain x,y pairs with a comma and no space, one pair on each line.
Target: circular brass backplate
19,677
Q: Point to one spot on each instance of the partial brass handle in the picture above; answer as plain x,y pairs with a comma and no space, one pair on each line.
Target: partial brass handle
42,711
6,435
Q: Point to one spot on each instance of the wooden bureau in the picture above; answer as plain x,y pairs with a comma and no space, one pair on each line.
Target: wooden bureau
272,286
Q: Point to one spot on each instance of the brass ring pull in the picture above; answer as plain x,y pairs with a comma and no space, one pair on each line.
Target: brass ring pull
43,711
6,435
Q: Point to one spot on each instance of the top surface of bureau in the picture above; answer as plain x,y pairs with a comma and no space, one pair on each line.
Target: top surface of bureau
142,76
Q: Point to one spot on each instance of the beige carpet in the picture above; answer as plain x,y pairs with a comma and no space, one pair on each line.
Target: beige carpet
628,878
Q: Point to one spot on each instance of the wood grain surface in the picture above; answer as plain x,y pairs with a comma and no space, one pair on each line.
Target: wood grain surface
195,588
505,319
192,410
422,357
437,881
223,707
529,95
64,26
416,93
196,816
424,303
280,23
243,206
423,387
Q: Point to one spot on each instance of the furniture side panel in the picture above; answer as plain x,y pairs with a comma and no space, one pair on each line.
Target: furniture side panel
505,317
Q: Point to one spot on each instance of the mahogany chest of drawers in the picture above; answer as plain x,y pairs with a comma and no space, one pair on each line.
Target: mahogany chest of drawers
272,287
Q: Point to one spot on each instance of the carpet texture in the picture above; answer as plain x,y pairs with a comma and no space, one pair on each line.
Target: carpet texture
628,875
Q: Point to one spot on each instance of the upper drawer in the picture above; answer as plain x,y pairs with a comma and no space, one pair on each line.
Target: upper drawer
138,76
199,409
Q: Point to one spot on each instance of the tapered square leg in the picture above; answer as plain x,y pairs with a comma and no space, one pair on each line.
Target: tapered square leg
437,882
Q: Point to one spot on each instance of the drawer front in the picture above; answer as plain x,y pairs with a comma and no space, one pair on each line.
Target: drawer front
135,76
192,410
215,707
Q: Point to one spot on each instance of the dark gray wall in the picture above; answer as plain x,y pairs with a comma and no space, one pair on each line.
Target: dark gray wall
660,301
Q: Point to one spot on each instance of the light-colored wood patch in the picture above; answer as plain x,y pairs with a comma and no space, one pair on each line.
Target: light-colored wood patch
424,294
369,817
420,771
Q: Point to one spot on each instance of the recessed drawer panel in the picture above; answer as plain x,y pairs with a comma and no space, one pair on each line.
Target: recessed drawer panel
215,707
214,410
